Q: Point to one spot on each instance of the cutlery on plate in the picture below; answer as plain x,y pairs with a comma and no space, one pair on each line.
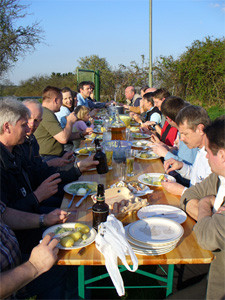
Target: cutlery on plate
63,234
171,215
69,205
83,198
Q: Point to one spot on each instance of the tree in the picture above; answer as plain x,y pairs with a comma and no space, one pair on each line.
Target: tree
198,74
94,62
15,40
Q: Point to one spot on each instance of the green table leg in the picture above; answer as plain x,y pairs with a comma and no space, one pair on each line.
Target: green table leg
81,282
169,280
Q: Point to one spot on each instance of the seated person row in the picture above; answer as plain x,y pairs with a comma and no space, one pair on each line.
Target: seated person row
33,181
191,121
168,133
50,135
205,202
170,108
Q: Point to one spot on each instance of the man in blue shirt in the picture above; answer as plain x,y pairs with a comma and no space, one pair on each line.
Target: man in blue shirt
83,97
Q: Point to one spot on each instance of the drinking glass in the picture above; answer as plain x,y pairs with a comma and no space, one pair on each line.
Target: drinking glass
130,154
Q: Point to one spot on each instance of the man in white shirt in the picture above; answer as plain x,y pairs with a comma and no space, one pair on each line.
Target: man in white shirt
191,121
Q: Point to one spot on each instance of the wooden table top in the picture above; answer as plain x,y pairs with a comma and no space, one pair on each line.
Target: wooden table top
186,252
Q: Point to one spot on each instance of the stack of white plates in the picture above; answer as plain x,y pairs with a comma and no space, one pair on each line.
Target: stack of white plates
154,236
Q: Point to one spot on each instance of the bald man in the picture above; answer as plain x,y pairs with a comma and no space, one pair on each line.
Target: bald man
136,99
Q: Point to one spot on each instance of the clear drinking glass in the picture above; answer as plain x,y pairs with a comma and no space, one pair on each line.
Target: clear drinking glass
130,154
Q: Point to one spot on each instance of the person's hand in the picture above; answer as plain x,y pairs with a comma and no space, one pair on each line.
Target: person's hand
72,118
55,217
126,106
145,130
155,139
48,187
151,123
173,187
172,165
209,200
88,163
66,159
44,255
87,131
160,150
221,209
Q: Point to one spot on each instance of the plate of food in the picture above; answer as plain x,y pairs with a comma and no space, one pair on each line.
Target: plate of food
134,129
98,130
138,135
133,123
80,188
92,136
139,144
79,235
85,150
148,155
163,211
138,189
155,179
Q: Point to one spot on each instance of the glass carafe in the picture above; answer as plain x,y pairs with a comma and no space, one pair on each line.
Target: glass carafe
117,126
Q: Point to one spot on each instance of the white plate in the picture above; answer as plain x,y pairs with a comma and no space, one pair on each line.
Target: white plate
139,144
153,155
153,246
177,214
152,252
154,177
139,135
77,151
155,230
67,187
80,243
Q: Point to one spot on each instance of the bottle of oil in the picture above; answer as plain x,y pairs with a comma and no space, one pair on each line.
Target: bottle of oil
102,167
100,209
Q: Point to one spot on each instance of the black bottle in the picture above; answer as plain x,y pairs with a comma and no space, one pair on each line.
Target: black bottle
100,209
102,167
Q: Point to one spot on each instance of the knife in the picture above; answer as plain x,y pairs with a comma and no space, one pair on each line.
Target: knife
83,198
71,201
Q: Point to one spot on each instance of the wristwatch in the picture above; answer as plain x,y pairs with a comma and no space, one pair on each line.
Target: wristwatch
41,221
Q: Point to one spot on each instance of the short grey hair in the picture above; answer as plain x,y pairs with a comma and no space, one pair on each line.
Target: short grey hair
11,111
33,101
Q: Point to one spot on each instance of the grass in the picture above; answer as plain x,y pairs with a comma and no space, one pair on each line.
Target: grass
215,111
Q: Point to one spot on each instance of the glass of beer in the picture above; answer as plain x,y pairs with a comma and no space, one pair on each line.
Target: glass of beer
109,154
130,154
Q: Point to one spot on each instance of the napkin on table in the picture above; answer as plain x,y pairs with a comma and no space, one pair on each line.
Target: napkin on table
112,243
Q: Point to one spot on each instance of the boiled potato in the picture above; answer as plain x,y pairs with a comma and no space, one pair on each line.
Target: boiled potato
75,236
83,151
82,227
67,241
144,155
161,177
84,237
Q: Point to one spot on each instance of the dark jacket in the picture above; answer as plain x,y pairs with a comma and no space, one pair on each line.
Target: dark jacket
30,149
146,116
16,189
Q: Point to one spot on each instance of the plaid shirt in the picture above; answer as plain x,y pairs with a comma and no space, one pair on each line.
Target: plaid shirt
9,248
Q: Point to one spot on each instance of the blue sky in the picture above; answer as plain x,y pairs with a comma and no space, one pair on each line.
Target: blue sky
117,30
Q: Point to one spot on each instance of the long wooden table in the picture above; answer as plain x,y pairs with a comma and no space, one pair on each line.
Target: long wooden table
187,251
